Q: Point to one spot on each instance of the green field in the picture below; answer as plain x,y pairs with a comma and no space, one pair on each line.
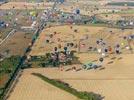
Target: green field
7,68
121,3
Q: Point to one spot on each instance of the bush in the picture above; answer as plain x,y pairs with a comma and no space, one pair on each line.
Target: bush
9,64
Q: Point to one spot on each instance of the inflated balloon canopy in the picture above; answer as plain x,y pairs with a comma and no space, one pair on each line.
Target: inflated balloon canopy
33,13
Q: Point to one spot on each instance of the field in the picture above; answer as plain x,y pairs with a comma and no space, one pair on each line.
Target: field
24,5
87,35
16,19
89,41
122,3
40,91
113,81
7,67
14,44
116,73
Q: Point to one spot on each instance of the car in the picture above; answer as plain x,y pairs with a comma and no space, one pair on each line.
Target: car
2,24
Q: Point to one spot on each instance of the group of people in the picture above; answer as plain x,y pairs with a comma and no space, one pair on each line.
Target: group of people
104,49
60,57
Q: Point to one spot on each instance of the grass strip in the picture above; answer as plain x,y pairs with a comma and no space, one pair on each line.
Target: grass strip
64,86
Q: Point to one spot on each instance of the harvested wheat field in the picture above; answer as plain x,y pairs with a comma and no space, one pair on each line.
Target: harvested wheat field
32,88
25,5
113,81
78,35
